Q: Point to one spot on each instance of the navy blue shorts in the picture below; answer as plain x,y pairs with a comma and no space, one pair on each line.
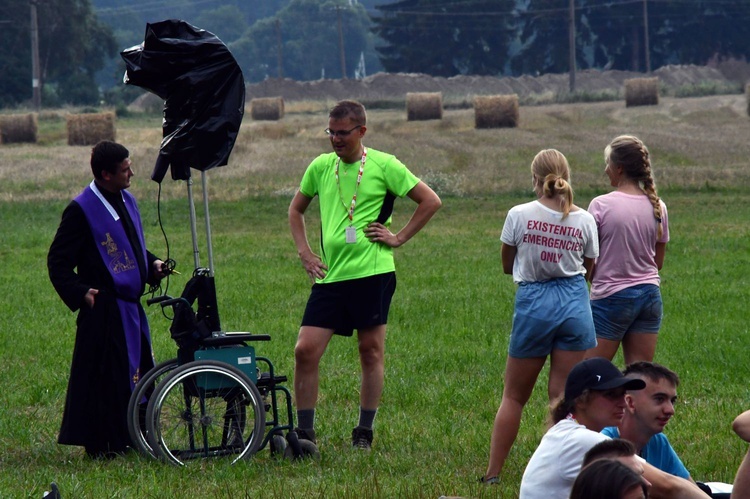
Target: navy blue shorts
637,309
348,305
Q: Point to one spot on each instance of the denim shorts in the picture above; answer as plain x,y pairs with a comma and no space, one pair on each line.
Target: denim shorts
637,309
551,315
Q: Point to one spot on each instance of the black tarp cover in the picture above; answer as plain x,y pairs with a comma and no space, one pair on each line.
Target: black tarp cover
203,92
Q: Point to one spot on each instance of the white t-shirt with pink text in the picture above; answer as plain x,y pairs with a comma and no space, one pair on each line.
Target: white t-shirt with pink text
548,246
627,239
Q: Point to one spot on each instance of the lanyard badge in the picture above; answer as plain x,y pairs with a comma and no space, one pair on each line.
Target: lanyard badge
351,234
351,231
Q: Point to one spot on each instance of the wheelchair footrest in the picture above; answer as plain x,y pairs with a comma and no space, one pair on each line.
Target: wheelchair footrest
265,379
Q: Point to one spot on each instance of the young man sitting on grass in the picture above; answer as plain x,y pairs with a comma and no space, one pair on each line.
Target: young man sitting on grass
647,413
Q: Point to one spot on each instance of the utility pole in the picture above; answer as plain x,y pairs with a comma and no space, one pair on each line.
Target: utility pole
341,43
645,36
279,58
35,71
572,44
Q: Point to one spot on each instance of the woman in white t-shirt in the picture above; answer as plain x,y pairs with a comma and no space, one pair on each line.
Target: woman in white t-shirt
547,245
633,234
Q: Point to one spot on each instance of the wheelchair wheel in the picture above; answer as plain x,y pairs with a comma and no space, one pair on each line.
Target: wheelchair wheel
277,445
202,409
300,448
307,450
139,402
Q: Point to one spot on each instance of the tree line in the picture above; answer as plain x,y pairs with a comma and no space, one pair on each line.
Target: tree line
79,41
513,37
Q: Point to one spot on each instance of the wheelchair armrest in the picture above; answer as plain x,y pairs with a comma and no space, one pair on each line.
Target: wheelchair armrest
158,299
248,336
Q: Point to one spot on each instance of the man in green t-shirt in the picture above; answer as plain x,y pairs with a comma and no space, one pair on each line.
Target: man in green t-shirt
354,276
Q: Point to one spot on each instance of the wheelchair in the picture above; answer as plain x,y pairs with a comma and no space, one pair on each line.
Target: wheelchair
217,397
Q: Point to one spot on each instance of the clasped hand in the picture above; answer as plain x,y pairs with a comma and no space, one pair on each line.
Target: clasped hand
379,233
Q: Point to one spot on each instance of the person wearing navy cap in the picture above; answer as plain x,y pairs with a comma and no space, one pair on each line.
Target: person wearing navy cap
594,398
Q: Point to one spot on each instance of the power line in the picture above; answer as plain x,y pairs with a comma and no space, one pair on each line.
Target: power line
147,7
442,21
385,12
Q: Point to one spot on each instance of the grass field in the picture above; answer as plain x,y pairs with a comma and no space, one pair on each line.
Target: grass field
450,321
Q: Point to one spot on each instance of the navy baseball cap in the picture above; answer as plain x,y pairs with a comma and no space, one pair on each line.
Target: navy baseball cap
597,373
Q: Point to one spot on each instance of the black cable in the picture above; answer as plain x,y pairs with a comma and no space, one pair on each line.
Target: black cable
169,264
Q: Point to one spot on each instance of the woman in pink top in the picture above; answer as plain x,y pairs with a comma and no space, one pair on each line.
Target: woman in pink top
633,233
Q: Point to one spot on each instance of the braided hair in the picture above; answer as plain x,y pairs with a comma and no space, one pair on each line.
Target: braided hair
631,154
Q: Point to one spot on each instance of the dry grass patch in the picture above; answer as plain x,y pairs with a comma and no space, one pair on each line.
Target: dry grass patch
694,143
267,131
316,107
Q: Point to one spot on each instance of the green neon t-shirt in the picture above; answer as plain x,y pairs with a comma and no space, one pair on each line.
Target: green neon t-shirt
383,173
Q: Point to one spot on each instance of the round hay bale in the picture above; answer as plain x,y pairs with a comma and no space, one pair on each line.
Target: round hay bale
267,108
424,106
88,129
641,92
147,103
18,128
496,111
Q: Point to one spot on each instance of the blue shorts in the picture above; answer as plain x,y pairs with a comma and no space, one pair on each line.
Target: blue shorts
354,304
551,315
637,309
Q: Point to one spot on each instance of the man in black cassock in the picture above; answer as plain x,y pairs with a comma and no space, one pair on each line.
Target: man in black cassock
99,265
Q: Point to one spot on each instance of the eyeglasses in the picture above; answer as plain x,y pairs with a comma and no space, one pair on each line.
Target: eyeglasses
340,133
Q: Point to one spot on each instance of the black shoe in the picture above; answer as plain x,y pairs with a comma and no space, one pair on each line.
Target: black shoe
362,438
53,492
306,434
493,480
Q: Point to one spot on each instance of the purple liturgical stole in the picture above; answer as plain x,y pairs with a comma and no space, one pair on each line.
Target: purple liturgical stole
118,256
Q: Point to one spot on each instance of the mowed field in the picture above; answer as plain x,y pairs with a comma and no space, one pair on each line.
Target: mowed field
450,321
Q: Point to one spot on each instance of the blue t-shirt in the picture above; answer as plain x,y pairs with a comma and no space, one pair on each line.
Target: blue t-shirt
658,452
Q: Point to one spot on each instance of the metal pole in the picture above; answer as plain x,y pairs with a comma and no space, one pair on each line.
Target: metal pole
572,43
35,71
209,247
341,43
645,36
279,56
193,225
